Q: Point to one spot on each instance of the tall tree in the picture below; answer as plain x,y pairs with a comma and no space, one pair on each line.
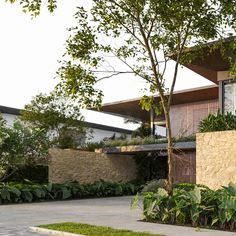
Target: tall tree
144,35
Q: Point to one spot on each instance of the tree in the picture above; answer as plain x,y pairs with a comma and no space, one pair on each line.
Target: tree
59,117
147,34
20,146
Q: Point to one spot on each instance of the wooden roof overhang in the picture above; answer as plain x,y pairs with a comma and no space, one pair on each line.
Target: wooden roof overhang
132,108
208,59
145,148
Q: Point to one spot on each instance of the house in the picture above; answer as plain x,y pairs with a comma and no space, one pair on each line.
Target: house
211,160
99,132
188,108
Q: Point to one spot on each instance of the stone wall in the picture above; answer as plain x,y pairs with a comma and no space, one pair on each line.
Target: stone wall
88,167
216,158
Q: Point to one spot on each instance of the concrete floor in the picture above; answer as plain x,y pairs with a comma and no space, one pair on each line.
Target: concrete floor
114,212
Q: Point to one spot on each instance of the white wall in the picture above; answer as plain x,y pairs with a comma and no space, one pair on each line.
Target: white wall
98,135
9,118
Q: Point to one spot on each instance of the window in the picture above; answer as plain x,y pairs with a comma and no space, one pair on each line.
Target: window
229,97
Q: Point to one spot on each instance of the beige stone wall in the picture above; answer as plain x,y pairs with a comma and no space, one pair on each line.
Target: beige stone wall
216,158
88,167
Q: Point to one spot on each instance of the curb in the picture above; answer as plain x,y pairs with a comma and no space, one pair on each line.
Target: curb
52,232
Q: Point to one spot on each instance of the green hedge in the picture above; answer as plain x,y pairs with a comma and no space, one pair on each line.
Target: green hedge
193,205
19,192
218,122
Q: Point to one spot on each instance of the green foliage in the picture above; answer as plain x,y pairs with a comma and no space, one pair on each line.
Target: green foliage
154,185
30,192
20,146
92,146
193,204
92,230
34,6
143,131
59,117
218,122
33,173
151,167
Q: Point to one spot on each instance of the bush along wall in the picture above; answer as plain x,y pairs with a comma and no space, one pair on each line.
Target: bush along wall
19,192
34,173
193,205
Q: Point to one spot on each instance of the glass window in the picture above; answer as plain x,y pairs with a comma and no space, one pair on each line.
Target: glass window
229,91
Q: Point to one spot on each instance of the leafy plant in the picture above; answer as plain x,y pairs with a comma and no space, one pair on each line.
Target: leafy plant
29,192
20,146
218,122
192,204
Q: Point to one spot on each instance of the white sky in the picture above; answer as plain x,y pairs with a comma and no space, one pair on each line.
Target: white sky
30,49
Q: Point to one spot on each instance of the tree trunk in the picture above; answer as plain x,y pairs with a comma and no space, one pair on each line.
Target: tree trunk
169,152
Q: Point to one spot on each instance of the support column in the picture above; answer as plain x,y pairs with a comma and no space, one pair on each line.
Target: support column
152,125
221,96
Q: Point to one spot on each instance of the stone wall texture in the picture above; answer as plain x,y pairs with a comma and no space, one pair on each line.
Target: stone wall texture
88,167
216,158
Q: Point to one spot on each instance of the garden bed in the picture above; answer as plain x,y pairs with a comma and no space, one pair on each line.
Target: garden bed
192,205
29,192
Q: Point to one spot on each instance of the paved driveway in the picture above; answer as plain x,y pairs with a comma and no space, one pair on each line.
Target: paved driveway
114,212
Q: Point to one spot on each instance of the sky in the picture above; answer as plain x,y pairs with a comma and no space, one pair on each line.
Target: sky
29,54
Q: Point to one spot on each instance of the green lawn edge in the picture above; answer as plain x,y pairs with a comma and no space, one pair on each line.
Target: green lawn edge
92,230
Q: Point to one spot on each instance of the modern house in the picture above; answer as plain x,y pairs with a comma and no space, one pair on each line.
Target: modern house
187,109
211,160
190,106
99,132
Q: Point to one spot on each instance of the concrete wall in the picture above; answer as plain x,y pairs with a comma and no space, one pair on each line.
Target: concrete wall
9,118
185,118
88,167
216,158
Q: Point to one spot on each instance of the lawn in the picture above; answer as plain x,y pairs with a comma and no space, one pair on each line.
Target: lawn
92,230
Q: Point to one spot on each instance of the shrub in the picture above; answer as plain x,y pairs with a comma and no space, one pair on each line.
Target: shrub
153,186
218,122
35,173
192,204
20,146
30,192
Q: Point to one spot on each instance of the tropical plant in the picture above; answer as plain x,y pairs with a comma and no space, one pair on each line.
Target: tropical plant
30,192
20,146
192,204
218,122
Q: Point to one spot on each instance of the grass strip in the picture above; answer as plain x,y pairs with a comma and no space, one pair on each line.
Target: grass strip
92,230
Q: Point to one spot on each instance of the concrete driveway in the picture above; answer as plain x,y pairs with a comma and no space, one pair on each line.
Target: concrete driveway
114,212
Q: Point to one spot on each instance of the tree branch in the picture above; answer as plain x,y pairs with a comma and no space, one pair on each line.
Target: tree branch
177,64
